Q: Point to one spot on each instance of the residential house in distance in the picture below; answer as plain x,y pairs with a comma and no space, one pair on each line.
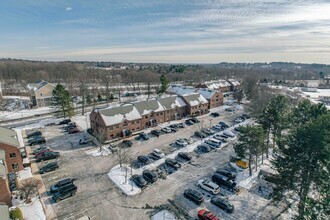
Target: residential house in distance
220,85
235,85
196,104
10,163
114,122
174,108
41,94
151,111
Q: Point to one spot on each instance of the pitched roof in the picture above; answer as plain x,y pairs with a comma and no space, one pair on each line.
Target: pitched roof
145,107
40,84
171,102
116,115
183,90
8,136
206,93
195,99
234,82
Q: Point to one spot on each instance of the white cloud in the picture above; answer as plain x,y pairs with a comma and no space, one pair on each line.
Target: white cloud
68,9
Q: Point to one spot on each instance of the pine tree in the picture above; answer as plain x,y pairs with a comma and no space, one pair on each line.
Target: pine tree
238,95
61,101
250,143
164,83
303,165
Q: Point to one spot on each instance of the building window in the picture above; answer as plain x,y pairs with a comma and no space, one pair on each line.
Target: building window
125,123
117,126
146,117
14,166
157,114
12,155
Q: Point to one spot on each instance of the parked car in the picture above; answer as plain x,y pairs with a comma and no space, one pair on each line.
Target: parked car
181,142
33,134
208,131
215,114
218,127
48,156
203,148
230,109
206,215
39,149
209,186
188,140
173,163
218,137
70,125
214,143
246,116
64,122
229,134
49,167
144,159
158,153
184,156
223,204
38,140
166,130
144,136
181,125
200,134
238,120
174,129
223,124
139,181
173,126
41,152
73,130
242,164
85,140
194,196
65,192
189,122
226,173
224,181
61,183
155,132
149,176
223,136
195,120
126,143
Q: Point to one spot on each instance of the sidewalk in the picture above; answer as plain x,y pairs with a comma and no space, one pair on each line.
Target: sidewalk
49,210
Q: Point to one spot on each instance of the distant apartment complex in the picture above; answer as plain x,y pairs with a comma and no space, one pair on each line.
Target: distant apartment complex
220,85
41,94
10,163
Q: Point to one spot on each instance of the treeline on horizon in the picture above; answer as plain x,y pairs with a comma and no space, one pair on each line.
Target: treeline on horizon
22,72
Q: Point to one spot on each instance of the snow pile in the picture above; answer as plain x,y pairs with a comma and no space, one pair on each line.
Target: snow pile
24,174
19,136
117,175
40,124
31,211
82,121
163,215
96,152
245,181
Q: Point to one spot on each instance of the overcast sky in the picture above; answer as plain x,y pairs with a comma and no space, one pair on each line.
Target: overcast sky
172,31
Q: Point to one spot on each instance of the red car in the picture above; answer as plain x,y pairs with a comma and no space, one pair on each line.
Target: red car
73,130
42,152
206,215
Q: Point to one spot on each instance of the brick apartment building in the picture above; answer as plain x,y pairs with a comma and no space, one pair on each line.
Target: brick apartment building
10,163
214,97
122,121
196,104
219,85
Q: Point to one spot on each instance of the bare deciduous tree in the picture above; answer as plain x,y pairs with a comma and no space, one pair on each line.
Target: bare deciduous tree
29,187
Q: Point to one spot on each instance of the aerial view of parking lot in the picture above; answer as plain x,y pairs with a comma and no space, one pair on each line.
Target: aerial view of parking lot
165,110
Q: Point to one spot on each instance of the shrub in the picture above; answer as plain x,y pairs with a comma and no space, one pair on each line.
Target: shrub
16,214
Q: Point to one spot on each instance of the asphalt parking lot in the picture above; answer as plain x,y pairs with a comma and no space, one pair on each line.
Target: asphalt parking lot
98,198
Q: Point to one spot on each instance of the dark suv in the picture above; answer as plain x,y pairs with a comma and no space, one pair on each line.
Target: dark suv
149,176
49,167
34,134
37,140
65,192
60,184
194,196
155,132
48,156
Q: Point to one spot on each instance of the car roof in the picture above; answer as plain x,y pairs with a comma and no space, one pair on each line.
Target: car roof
64,181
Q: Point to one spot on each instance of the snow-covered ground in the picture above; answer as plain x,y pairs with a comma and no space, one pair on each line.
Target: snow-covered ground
82,121
163,215
24,174
96,152
117,175
31,211
5,115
